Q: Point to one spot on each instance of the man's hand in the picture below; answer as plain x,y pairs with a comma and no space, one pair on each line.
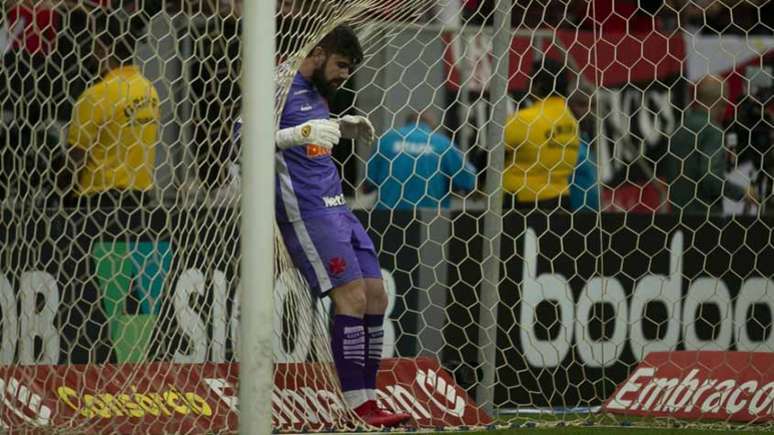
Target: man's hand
320,132
358,128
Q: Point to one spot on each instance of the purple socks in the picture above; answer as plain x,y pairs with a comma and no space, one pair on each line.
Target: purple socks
357,345
348,345
374,330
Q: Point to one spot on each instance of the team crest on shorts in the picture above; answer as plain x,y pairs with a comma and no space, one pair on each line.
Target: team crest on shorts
337,266
306,131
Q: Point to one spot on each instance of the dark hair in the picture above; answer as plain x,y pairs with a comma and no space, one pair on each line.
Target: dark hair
549,78
423,117
118,33
343,41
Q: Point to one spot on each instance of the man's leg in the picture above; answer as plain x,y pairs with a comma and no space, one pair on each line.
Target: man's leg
376,304
322,252
348,340
373,321
330,257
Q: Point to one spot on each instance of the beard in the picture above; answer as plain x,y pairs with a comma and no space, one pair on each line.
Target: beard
326,88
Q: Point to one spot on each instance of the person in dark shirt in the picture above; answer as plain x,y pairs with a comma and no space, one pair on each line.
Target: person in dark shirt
696,164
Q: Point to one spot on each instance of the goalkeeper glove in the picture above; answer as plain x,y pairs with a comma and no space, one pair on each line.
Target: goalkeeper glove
320,132
358,128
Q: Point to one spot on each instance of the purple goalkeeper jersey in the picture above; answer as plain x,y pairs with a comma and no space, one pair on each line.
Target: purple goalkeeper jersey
308,181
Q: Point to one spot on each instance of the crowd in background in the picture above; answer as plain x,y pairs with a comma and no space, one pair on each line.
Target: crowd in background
706,16
48,64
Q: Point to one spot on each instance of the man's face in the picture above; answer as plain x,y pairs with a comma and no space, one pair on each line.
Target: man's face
333,72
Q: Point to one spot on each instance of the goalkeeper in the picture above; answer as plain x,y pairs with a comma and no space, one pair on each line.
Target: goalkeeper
325,240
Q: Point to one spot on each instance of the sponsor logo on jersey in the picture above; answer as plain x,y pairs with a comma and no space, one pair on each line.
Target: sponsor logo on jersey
413,148
300,92
305,107
334,201
313,151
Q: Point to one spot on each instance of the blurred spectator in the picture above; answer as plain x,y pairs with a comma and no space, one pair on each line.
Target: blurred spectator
114,128
215,95
750,134
696,164
542,144
582,106
634,16
725,17
208,7
31,87
417,166
532,14
584,190
32,26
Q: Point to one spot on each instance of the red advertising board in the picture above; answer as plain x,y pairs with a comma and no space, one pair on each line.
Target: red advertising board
692,385
610,59
175,398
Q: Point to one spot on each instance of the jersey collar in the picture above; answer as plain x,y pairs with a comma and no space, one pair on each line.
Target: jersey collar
122,71
554,99
423,126
301,80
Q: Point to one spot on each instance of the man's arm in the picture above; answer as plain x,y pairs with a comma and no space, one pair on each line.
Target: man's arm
584,194
82,133
322,132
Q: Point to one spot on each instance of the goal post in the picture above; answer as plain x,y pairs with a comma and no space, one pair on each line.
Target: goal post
256,376
493,219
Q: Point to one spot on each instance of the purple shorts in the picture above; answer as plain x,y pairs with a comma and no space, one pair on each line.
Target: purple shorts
330,250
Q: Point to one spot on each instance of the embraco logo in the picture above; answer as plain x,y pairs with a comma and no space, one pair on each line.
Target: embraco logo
134,403
131,278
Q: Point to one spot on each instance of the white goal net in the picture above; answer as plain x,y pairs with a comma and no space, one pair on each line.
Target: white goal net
560,190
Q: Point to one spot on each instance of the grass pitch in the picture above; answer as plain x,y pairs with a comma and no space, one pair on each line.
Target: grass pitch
605,424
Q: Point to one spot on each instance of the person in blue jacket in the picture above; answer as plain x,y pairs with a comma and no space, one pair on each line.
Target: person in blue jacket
584,190
418,166
584,186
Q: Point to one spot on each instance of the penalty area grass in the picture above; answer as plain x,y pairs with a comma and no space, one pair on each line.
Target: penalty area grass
607,430
606,424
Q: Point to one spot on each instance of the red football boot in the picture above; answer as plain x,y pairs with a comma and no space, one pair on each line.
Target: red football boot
375,416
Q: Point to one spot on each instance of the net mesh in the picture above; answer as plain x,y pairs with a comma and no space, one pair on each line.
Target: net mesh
661,239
